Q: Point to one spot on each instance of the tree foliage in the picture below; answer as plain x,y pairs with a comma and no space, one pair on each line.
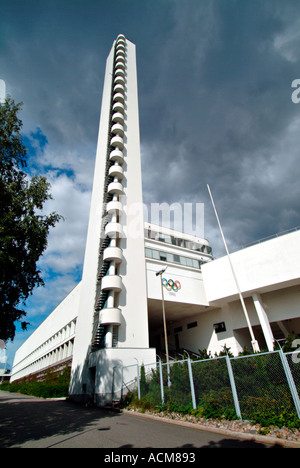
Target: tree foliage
23,227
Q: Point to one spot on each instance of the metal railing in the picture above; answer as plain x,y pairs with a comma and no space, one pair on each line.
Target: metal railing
263,382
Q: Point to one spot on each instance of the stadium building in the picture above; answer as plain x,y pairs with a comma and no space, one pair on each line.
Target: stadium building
144,286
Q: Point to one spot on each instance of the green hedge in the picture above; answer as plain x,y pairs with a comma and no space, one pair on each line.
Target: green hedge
53,386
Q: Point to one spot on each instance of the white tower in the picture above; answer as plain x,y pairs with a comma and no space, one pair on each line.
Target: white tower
112,324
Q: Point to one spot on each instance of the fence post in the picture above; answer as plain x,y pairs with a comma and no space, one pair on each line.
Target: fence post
138,381
138,378
122,383
161,382
290,381
113,384
233,388
192,383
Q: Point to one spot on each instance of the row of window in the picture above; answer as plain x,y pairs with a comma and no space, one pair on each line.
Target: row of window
173,258
63,351
53,342
169,239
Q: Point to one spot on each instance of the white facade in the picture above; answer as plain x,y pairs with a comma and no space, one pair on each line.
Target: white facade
269,279
117,307
195,310
52,343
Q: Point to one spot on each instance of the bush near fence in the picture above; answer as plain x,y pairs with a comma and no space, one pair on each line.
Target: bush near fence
55,385
263,392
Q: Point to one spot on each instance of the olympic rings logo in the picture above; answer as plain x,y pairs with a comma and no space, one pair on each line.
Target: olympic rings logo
171,285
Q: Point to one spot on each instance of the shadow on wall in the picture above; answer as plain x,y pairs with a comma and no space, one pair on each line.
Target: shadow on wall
99,381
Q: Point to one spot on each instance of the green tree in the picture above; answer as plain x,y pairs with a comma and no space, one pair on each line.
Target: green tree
23,228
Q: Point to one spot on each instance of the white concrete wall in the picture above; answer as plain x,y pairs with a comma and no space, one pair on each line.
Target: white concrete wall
192,287
108,364
263,267
51,341
203,335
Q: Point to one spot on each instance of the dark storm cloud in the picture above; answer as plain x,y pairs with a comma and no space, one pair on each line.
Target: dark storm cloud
214,81
224,109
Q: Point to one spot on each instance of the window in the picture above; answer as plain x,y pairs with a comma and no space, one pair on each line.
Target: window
148,253
192,325
163,256
219,327
155,254
170,258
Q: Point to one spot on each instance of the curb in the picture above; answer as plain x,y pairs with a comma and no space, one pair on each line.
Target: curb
238,435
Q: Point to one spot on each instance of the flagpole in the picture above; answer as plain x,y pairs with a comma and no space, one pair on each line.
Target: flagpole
253,340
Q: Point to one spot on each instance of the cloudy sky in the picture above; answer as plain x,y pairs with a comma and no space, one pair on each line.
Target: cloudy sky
215,96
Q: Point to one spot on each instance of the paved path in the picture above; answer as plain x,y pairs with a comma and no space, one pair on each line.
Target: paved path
29,422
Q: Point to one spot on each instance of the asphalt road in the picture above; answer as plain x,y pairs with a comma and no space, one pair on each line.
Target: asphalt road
29,422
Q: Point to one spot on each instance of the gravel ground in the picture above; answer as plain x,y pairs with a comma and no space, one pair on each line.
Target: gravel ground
245,427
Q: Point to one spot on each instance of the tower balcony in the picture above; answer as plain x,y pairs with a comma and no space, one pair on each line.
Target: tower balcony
114,230
120,64
114,206
121,48
110,316
120,57
121,39
119,88
120,72
115,188
119,80
118,117
116,156
119,97
118,107
116,171
113,254
121,43
111,283
117,142
118,129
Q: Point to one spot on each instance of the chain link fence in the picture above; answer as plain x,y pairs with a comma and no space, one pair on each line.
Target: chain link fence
244,387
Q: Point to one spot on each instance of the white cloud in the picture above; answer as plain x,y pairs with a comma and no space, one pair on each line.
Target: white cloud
287,43
66,242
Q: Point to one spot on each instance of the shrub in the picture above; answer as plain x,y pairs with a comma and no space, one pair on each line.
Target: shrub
55,385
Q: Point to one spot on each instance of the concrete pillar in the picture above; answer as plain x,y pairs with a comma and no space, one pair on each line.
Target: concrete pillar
264,321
